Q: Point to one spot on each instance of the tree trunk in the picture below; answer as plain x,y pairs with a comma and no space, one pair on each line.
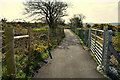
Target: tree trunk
52,32
53,27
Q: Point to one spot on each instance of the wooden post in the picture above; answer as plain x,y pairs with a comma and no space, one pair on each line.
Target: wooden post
29,44
48,37
79,32
85,37
90,38
1,54
1,51
29,48
49,42
9,49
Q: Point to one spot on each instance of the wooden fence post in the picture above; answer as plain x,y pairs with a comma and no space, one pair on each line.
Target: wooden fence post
49,43
29,44
48,37
89,45
1,54
9,56
29,48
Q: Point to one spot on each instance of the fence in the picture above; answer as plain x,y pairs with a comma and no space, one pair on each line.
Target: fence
17,53
100,51
100,44
22,50
11,54
1,54
95,46
103,51
82,33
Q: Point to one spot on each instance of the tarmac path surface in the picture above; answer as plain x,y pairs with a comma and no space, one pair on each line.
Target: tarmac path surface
70,60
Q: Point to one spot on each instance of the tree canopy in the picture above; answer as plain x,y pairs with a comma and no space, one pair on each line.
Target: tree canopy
77,20
49,11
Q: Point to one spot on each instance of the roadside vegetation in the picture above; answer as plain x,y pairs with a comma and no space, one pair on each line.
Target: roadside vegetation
39,47
84,31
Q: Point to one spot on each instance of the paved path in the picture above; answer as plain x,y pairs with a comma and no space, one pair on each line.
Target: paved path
70,60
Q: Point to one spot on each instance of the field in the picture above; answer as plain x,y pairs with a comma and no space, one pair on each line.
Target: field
41,43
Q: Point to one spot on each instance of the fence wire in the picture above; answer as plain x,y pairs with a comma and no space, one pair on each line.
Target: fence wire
39,47
83,34
20,50
21,55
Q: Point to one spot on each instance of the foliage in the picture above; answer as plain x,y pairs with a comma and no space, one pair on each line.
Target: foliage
115,37
61,21
115,42
47,11
66,27
118,28
88,25
4,23
101,26
40,29
39,49
77,20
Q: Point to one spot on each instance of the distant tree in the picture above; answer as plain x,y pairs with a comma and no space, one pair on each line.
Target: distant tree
46,10
119,28
77,20
3,20
101,26
61,21
88,25
112,27
98,26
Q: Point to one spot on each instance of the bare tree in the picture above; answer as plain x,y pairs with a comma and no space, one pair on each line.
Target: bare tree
61,21
77,20
47,10
4,20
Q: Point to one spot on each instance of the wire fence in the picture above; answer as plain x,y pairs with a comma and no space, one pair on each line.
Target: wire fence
18,52
1,53
24,49
21,55
83,34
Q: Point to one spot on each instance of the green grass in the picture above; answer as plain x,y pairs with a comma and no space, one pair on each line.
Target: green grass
39,29
42,56
84,46
117,33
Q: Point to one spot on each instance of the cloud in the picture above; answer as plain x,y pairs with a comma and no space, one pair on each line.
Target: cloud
90,0
11,10
95,11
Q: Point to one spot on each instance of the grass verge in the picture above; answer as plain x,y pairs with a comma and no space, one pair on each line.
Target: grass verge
86,48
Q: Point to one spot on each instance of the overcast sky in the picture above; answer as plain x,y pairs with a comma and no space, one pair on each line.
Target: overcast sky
96,11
